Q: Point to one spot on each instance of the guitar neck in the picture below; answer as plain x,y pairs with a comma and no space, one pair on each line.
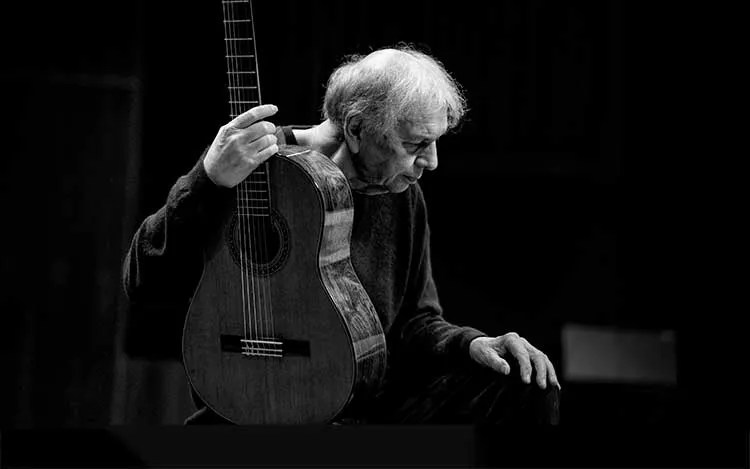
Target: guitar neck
243,82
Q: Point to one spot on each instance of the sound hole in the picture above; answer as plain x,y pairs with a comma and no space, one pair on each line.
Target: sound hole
259,243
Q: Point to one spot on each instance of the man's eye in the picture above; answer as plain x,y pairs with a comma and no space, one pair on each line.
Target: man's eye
415,147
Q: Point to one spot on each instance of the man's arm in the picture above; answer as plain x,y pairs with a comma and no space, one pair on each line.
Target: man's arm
164,262
429,334
324,137
165,259
422,328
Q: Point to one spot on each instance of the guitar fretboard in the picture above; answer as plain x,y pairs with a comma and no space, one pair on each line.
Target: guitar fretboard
243,82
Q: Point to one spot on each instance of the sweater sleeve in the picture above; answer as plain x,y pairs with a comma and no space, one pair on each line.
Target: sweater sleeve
165,259
425,331
164,262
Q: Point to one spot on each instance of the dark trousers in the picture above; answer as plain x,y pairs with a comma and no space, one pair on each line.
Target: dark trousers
468,395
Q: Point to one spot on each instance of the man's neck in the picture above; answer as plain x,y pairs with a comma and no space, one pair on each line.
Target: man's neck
322,138
343,159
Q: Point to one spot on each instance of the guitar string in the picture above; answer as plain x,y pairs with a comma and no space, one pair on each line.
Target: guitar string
263,220
246,213
250,216
259,218
256,217
232,114
259,314
268,327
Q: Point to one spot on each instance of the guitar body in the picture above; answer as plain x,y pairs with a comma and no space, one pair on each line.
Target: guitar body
289,336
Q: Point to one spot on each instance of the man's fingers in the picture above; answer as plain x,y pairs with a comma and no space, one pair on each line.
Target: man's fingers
552,375
529,359
498,364
540,363
256,131
266,153
524,363
253,115
260,144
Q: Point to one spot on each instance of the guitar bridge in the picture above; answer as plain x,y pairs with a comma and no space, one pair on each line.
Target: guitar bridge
266,347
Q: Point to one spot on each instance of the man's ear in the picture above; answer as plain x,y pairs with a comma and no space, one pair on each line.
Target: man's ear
353,132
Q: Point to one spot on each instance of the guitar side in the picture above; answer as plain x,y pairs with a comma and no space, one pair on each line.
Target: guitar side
338,274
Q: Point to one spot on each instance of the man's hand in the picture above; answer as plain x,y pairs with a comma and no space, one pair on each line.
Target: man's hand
241,146
489,351
324,138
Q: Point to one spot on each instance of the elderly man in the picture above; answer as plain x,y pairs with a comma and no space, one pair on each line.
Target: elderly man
384,113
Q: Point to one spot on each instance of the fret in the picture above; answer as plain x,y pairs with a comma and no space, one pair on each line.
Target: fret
238,46
236,10
245,84
250,92
240,55
247,351
243,205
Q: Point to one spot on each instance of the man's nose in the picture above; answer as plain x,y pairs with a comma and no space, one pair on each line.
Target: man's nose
428,159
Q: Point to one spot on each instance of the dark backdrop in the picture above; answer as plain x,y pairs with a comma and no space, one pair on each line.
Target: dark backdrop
107,103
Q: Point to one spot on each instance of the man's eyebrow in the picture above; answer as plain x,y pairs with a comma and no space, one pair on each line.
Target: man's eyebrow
422,138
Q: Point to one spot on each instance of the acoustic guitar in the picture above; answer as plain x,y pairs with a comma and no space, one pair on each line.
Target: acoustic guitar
280,330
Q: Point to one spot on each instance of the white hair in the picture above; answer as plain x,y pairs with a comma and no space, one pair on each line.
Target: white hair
390,86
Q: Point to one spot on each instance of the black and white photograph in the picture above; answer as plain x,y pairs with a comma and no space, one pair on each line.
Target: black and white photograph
253,233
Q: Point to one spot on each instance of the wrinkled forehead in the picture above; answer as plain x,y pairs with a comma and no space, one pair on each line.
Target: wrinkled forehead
426,126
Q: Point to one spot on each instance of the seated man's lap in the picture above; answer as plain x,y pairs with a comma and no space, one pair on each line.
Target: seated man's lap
469,394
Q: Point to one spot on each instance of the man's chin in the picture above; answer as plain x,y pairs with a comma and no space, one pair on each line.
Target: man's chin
394,187
398,186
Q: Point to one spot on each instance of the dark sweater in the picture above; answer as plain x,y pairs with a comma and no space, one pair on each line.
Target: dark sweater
390,251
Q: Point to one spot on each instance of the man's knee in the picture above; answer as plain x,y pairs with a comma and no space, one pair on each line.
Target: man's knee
536,405
542,404
548,405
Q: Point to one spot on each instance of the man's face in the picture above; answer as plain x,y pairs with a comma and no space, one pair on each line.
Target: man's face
398,163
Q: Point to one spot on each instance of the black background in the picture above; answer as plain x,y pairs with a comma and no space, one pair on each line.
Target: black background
537,220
